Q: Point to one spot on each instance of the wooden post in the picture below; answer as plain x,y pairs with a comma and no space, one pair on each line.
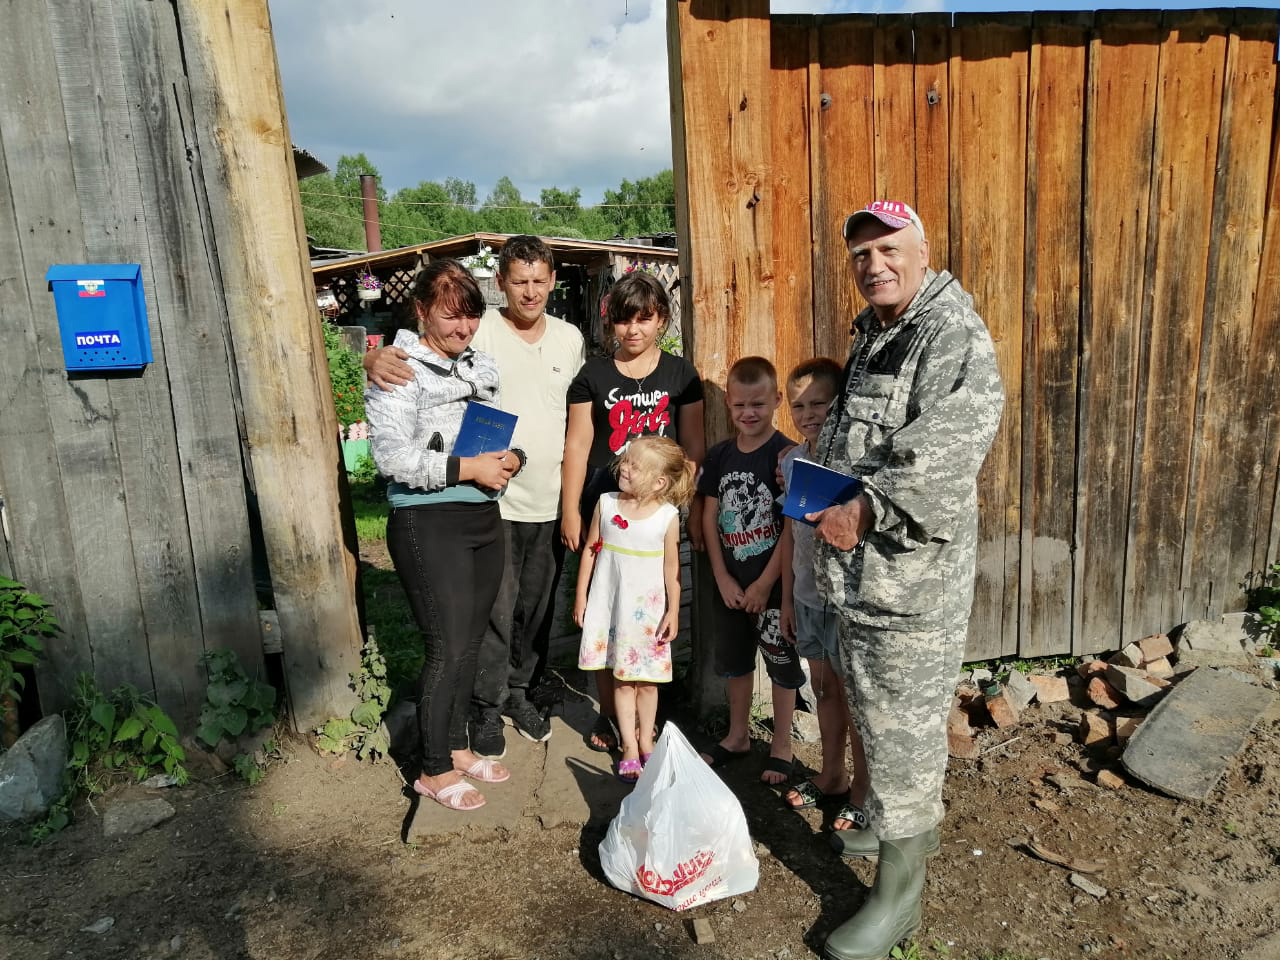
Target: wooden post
289,417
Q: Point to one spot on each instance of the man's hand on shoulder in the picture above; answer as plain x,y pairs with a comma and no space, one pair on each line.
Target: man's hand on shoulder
845,525
386,367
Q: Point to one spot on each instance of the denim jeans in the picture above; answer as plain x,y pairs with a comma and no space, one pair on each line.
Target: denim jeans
449,559
513,652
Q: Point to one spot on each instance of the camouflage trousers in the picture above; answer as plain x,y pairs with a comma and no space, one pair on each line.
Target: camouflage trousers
900,686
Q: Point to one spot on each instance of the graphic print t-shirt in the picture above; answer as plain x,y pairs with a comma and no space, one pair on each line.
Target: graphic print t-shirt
749,515
623,409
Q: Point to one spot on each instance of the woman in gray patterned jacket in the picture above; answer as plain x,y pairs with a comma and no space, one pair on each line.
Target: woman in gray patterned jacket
444,533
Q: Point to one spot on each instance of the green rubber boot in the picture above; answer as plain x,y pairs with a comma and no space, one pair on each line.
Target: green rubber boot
865,845
892,909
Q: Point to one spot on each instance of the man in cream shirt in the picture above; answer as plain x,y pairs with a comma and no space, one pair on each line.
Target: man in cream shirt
537,356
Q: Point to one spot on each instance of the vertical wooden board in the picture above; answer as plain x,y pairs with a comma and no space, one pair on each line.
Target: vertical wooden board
932,139
37,520
1124,56
1225,466
80,411
1263,383
988,176
154,539
893,106
724,56
1054,197
1190,90
844,170
188,313
792,228
251,190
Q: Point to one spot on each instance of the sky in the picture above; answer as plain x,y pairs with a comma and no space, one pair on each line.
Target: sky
566,93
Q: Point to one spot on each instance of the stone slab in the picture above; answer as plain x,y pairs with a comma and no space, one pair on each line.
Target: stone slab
31,770
1186,742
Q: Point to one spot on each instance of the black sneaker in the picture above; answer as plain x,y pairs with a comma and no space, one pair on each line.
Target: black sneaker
527,719
487,739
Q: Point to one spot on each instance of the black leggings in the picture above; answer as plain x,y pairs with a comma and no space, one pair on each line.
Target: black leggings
449,558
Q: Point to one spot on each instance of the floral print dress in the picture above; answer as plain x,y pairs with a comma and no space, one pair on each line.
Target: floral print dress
628,597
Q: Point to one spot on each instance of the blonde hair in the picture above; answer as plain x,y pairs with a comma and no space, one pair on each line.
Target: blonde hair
662,457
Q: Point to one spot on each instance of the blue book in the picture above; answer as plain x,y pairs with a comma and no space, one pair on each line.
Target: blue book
484,430
814,487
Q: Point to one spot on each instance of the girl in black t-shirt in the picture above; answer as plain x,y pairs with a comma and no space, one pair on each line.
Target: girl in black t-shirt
638,391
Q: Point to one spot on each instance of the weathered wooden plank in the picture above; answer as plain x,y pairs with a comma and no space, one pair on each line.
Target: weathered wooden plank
1053,258
732,202
36,515
252,196
188,311
1225,468
1124,55
792,228
1186,140
105,160
80,413
844,179
989,94
893,109
932,99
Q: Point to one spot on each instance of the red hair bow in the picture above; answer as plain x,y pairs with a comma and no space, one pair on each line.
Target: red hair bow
619,521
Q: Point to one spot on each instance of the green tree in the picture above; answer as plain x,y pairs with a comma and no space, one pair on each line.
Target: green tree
460,191
505,211
645,206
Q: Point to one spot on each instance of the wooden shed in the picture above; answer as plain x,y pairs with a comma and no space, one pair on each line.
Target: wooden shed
138,502
1107,186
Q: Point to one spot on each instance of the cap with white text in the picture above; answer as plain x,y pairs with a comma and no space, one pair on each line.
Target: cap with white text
892,213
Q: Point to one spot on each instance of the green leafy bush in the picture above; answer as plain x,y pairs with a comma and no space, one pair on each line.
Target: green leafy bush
361,730
1263,594
123,735
25,623
347,376
234,704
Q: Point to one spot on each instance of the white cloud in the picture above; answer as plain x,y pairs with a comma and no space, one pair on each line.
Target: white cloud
566,94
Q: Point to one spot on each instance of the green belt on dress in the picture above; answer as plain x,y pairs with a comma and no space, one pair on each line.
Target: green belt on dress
634,553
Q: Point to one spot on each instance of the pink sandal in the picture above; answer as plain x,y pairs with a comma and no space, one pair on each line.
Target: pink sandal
450,796
629,770
486,771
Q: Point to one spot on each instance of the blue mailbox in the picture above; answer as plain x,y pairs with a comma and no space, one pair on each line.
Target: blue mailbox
102,315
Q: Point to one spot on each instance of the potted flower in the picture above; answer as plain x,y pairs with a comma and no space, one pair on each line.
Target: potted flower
482,263
368,287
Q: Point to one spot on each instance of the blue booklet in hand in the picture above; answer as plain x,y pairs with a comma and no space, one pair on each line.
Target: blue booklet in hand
484,430
814,487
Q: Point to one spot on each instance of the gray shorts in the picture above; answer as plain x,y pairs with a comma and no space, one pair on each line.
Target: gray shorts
818,634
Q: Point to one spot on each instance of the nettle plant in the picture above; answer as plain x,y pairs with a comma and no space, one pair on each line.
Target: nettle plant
234,703
361,730
25,623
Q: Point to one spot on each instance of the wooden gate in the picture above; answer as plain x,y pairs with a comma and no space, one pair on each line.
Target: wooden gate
153,133
1107,188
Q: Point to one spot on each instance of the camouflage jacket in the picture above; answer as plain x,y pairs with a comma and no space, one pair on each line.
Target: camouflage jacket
921,406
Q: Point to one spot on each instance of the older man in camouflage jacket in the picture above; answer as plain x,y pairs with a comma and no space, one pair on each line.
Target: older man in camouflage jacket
917,412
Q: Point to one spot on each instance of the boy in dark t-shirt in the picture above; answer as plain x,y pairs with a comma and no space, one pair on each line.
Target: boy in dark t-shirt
742,522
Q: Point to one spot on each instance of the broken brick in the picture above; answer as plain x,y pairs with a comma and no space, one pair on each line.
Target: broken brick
1126,727
960,739
1155,647
702,932
1135,686
1160,668
1087,668
1103,693
1094,729
1002,709
1050,689
1130,655
1109,780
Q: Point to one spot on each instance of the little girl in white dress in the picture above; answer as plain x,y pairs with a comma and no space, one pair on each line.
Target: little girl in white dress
628,599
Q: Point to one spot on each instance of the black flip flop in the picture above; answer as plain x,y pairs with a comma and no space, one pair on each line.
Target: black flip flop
720,756
603,729
810,795
777,765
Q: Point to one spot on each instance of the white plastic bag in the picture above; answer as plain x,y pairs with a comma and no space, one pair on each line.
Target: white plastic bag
680,838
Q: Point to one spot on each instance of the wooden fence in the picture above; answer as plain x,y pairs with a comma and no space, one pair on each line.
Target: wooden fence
1107,186
154,133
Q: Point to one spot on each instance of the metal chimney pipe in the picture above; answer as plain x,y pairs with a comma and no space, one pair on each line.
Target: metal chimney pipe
372,226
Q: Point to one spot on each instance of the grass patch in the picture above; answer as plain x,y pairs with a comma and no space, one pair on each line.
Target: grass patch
370,507
392,621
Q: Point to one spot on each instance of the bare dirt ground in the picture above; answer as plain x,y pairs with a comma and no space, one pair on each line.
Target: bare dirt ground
310,864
